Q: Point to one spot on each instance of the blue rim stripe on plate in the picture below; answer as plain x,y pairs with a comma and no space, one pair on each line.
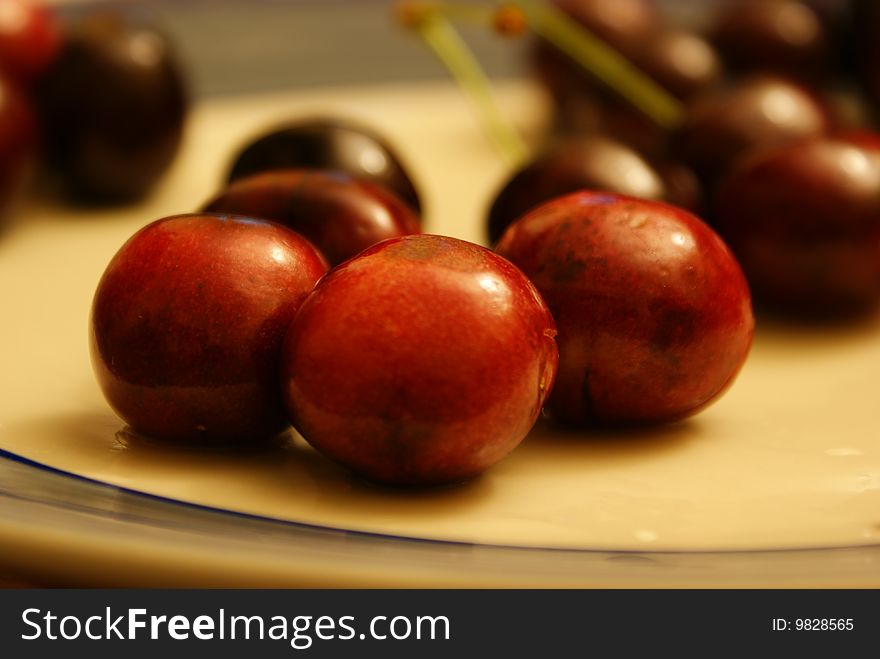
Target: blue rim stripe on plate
304,526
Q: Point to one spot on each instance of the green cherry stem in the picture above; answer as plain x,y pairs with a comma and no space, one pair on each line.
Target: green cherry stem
605,63
446,43
458,12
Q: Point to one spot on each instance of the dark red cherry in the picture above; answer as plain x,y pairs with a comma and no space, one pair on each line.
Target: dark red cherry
755,112
113,106
320,143
29,38
652,310
593,163
682,62
804,221
423,360
785,36
187,326
339,214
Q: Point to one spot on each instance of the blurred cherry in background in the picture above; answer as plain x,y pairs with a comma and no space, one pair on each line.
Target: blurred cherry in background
29,38
113,106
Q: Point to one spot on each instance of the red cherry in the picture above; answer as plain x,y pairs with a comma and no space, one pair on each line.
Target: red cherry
784,36
423,360
755,112
340,215
653,311
804,221
187,326
112,106
29,38
322,143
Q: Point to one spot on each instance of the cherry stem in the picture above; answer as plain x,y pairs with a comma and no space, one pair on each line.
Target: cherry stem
603,61
443,39
462,12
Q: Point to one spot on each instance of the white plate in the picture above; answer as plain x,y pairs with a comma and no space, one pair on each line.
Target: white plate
778,483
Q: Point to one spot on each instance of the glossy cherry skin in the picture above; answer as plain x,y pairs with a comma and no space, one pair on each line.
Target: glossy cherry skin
423,360
29,38
19,137
113,105
804,221
322,143
592,163
653,311
785,36
755,112
187,325
682,62
338,214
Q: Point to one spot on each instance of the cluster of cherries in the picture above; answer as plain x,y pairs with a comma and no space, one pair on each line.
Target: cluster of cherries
417,359
773,147
98,100
305,293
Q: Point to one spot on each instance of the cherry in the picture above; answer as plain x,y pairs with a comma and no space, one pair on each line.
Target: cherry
113,106
804,221
785,36
682,62
321,143
593,162
187,325
755,112
653,311
29,38
423,360
339,214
